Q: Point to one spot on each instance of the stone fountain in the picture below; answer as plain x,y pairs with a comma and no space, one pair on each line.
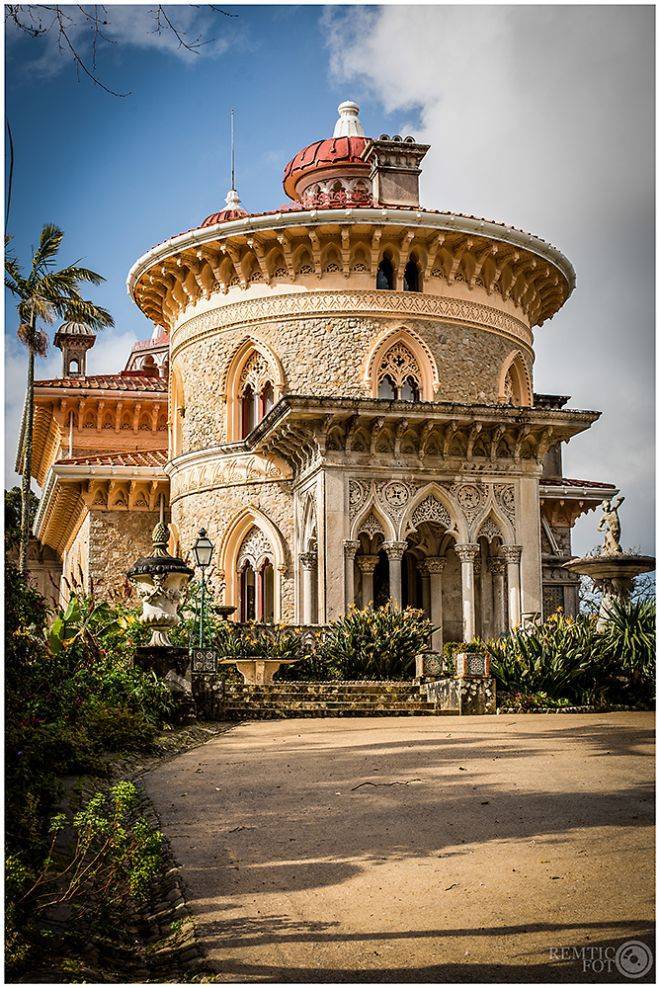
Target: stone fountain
612,570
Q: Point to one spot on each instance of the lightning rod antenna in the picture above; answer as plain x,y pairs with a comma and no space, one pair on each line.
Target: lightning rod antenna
233,155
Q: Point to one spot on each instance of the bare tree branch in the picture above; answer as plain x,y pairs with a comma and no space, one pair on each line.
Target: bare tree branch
31,20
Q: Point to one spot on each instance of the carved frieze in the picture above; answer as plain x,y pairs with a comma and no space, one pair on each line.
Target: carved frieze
310,304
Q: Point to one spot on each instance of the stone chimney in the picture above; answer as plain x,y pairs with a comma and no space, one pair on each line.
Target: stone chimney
395,170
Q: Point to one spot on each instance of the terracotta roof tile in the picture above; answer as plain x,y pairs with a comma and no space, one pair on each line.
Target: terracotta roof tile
138,458
129,381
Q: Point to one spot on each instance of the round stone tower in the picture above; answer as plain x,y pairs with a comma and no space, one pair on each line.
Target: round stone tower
351,393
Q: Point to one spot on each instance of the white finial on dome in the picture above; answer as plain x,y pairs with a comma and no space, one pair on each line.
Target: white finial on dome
348,124
232,200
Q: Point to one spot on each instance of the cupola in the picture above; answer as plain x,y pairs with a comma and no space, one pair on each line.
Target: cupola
232,211
331,173
74,339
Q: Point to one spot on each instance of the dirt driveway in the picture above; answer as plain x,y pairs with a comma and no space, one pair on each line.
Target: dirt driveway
417,849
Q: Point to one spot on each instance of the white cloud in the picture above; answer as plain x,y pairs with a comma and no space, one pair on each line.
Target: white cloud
135,26
542,117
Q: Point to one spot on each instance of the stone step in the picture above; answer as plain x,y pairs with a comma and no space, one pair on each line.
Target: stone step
263,712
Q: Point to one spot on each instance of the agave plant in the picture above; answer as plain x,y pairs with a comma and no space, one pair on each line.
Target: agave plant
630,637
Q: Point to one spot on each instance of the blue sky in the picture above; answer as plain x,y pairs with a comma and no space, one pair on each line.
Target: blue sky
541,117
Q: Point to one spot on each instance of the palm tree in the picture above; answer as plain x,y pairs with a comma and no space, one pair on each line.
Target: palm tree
44,296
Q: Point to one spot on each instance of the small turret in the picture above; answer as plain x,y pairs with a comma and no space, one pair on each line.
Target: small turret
74,339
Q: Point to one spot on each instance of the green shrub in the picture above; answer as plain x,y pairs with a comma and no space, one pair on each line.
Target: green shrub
366,644
567,659
111,855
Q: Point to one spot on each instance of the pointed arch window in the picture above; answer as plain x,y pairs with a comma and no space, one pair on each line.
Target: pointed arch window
399,376
256,393
412,281
385,274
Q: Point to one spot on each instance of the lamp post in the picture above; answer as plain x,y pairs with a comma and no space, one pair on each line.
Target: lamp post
203,551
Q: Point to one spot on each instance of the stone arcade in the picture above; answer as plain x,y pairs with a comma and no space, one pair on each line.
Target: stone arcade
341,392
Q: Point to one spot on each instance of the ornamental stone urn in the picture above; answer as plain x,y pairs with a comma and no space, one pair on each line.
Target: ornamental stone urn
159,580
612,570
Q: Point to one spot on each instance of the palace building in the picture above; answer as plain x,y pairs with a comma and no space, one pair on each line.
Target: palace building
341,391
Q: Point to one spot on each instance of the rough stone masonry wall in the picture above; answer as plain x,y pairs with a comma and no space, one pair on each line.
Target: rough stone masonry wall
75,561
216,510
116,540
326,356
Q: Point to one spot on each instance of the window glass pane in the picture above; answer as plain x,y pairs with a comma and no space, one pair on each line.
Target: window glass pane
386,387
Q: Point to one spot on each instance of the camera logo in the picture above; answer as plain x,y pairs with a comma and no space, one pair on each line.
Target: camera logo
633,959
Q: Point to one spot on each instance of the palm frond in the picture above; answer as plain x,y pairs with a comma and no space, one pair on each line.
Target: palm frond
80,310
77,273
50,241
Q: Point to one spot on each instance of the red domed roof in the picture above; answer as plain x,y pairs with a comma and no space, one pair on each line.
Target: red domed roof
232,211
224,216
324,154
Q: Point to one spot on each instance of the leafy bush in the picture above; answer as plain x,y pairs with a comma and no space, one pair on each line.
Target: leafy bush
366,644
110,854
568,659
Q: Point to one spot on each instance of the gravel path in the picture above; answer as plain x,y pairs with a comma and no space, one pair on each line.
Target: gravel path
417,849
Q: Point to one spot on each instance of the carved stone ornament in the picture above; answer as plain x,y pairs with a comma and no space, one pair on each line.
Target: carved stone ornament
489,530
159,580
466,552
371,526
255,549
511,553
395,550
255,374
430,509
505,496
399,364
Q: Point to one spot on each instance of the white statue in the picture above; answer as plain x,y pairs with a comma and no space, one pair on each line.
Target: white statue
610,524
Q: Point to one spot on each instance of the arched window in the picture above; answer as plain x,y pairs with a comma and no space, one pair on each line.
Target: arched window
409,389
74,367
256,393
514,386
267,588
411,276
385,275
248,608
267,398
386,387
399,375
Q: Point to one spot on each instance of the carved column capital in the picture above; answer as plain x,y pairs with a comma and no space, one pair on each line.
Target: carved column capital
467,552
497,565
367,564
308,559
511,553
435,564
394,550
351,547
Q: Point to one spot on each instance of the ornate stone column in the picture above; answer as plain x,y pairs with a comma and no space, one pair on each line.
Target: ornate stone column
497,564
367,566
435,565
350,550
394,552
426,588
308,562
467,552
512,554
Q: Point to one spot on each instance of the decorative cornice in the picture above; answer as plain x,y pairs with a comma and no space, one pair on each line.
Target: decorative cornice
282,247
305,305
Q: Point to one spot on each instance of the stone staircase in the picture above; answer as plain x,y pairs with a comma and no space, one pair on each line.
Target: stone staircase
241,701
